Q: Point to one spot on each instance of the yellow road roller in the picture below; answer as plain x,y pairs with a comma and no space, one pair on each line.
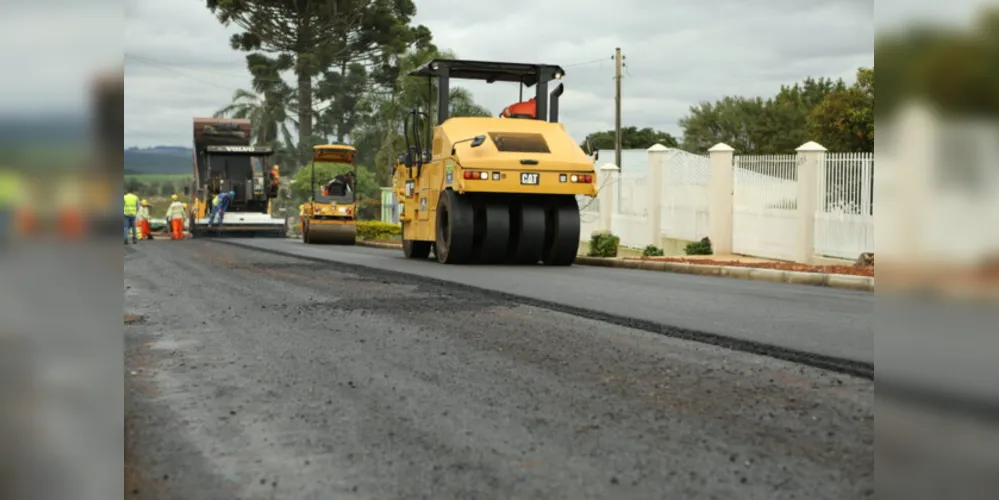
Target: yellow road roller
330,216
486,190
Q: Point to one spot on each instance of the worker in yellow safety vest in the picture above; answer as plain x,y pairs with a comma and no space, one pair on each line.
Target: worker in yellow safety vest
10,186
175,218
131,211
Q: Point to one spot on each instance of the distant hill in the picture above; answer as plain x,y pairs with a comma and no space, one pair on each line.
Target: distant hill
158,160
43,130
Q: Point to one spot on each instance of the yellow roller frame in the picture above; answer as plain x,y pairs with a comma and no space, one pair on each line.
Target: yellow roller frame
317,226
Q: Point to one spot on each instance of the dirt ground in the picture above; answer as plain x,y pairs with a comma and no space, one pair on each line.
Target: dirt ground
756,263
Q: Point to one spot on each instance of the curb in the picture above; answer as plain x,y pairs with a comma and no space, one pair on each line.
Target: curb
374,244
843,281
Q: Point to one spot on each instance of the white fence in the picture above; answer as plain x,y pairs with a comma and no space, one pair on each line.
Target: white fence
684,202
762,213
844,215
765,200
630,219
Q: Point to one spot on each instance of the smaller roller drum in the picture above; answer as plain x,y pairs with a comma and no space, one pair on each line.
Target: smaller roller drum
330,234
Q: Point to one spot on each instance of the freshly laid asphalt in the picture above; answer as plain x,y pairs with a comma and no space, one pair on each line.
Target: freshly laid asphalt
255,375
823,321
934,351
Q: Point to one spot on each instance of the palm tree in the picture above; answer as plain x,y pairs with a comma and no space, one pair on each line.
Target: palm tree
267,105
267,114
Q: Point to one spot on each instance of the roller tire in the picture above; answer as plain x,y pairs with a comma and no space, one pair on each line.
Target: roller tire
305,234
561,233
455,228
527,234
414,249
492,232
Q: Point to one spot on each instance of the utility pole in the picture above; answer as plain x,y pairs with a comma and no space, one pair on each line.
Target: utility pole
618,64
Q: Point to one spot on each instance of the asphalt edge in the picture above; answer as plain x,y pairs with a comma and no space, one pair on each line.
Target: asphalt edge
860,369
842,281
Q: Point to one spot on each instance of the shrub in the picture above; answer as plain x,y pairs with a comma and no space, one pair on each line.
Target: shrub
702,247
603,244
373,230
653,251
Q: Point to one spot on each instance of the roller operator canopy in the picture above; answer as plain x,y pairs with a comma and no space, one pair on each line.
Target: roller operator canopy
526,74
489,72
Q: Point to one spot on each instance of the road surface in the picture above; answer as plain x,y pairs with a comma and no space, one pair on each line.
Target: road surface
253,375
821,321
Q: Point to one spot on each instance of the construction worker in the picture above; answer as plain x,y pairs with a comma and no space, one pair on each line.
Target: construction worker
301,217
222,205
9,190
145,231
215,208
175,218
131,210
525,109
187,220
275,181
340,185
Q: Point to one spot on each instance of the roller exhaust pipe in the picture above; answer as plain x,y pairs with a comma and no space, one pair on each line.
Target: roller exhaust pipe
553,103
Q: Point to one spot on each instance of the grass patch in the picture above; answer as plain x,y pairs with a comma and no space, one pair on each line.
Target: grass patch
584,249
147,178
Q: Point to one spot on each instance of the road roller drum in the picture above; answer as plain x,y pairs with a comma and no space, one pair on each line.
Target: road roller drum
331,234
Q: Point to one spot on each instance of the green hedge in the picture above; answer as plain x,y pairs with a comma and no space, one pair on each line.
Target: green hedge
603,244
702,247
652,251
372,230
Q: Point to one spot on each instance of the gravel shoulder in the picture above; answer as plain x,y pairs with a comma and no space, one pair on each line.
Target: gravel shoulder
258,376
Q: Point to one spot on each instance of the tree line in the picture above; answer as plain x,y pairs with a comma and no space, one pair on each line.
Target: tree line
156,187
350,59
836,115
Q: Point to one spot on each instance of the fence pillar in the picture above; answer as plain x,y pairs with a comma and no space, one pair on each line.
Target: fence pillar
657,169
607,194
720,196
811,159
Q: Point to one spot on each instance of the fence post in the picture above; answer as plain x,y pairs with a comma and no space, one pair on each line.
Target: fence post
657,169
607,194
720,196
811,159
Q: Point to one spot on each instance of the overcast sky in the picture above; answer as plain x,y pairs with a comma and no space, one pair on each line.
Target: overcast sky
179,64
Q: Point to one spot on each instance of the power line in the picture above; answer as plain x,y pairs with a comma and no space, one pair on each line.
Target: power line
173,70
584,63
187,68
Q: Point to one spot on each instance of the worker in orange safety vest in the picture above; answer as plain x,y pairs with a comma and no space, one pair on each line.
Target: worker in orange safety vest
175,218
275,181
145,230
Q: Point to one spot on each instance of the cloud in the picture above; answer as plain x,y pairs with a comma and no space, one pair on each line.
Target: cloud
677,54
51,50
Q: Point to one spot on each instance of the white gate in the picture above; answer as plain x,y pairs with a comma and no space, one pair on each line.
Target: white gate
844,213
630,218
684,204
764,201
